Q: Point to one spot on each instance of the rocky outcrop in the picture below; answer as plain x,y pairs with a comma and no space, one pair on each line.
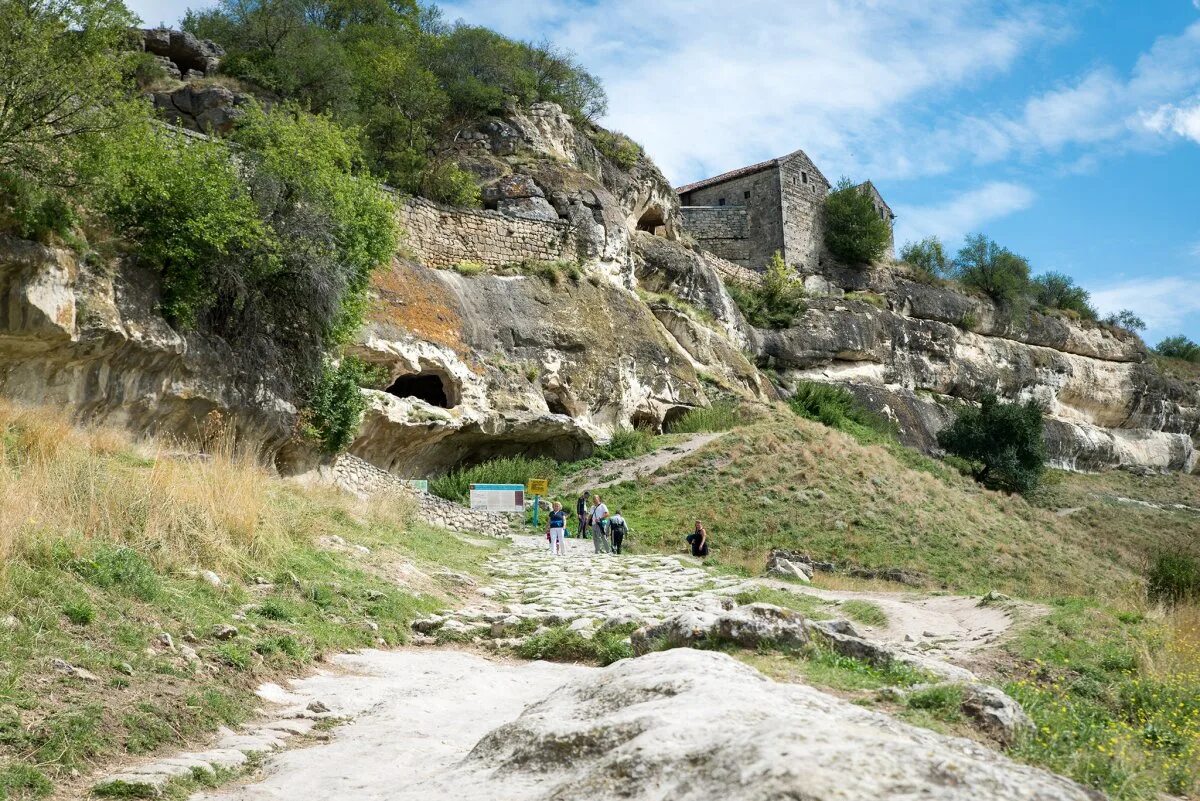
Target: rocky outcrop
905,350
693,725
92,341
183,51
207,109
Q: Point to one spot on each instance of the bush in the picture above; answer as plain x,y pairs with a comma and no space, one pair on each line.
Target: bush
1058,291
854,231
838,408
1004,440
1126,319
456,485
720,416
993,270
30,211
1174,577
928,257
616,147
1179,347
336,404
775,302
626,444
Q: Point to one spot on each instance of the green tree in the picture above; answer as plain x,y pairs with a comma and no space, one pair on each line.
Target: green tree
775,302
994,270
336,404
928,257
1127,319
1003,441
1179,347
1058,291
854,231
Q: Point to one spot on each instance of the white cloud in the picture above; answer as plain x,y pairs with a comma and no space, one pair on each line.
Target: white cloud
1181,120
963,213
1164,303
709,86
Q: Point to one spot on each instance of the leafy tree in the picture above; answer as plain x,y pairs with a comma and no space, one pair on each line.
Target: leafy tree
854,231
1179,347
928,257
336,404
776,301
994,270
61,78
1003,440
1127,319
1058,291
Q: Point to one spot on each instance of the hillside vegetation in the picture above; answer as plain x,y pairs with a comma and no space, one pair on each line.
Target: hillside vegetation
103,546
793,483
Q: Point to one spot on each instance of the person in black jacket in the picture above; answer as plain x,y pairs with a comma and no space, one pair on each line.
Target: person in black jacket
581,511
699,540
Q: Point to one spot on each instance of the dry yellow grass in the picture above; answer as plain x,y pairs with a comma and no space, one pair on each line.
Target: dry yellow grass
61,486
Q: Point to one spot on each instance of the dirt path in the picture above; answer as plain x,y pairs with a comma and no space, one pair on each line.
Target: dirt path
947,627
623,470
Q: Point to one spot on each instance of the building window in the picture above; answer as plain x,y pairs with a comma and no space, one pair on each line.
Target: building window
721,201
804,176
881,213
746,195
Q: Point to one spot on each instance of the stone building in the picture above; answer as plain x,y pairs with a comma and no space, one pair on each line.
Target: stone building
747,214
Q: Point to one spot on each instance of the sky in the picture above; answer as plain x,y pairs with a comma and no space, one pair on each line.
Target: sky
1068,132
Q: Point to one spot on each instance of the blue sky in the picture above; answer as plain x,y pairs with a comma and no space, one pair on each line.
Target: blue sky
1069,132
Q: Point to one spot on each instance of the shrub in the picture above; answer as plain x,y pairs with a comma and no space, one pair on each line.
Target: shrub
1004,440
838,408
336,404
1179,347
561,644
1174,577
720,416
776,301
30,211
468,268
616,147
1126,319
854,231
928,257
456,484
626,444
81,613
1058,291
996,271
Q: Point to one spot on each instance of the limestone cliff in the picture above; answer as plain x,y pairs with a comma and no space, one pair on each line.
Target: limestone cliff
566,308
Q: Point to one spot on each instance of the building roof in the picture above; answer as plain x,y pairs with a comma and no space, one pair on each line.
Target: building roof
728,176
744,171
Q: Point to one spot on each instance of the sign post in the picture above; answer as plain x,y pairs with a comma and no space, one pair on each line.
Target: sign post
537,487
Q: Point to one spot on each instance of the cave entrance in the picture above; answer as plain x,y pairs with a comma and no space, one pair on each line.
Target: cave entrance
653,221
429,387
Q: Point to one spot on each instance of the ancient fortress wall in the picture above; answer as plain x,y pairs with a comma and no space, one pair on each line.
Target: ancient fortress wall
720,230
754,198
442,237
803,191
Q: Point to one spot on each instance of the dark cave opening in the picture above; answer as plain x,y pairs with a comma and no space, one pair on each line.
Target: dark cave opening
428,387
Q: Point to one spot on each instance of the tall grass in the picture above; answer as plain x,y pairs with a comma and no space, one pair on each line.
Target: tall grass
720,416
456,485
63,487
838,408
626,444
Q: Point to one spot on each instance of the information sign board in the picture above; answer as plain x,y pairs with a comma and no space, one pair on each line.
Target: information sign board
498,497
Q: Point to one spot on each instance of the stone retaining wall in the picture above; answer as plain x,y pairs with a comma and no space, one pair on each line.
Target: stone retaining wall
720,230
442,237
364,479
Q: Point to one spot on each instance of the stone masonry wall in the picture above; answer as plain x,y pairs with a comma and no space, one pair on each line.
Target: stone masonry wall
803,190
764,224
442,237
721,230
360,477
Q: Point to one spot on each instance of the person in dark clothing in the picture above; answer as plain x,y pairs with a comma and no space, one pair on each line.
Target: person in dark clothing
618,528
699,540
581,511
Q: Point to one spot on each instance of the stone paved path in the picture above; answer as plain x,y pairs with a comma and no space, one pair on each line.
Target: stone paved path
582,588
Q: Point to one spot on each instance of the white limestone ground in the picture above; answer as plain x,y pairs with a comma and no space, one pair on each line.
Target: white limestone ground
443,724
437,725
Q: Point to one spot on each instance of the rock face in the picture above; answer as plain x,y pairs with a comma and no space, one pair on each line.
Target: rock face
692,725
183,50
905,350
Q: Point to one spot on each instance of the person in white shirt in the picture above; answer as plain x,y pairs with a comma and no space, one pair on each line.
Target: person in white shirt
599,518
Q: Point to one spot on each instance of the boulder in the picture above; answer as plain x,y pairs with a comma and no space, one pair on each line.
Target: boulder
750,626
995,712
184,49
697,725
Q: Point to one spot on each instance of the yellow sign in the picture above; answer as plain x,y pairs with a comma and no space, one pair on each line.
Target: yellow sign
537,486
